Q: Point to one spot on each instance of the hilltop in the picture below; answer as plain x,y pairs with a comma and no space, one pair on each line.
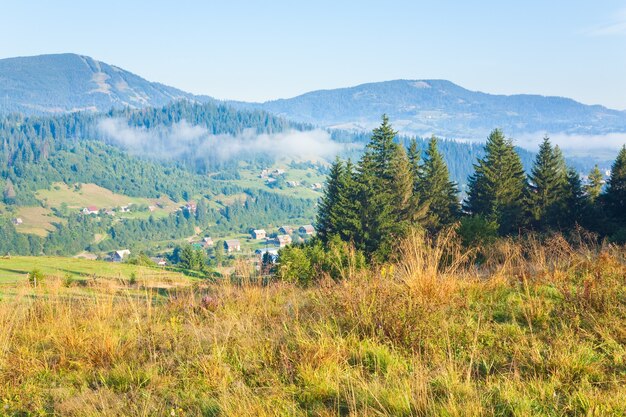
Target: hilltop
61,83
425,107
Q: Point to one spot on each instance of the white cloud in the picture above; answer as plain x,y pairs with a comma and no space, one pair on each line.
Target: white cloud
588,145
185,140
614,28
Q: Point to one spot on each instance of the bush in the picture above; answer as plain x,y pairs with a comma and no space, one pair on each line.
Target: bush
35,277
309,262
478,231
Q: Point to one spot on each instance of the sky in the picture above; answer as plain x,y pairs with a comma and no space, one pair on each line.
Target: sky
262,50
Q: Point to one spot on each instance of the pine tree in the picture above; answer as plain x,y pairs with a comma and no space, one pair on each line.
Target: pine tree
327,206
436,190
548,180
594,186
413,153
9,193
346,214
383,182
576,203
498,184
417,209
616,189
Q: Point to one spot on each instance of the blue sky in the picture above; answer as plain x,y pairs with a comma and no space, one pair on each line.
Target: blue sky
254,50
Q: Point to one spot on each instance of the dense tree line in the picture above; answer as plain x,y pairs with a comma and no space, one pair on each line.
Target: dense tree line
390,189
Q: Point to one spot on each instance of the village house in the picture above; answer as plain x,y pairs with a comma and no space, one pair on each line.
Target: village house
119,255
283,240
109,213
124,209
258,234
90,210
306,229
264,173
293,184
207,242
316,186
232,245
277,172
17,221
190,207
159,261
286,230
151,208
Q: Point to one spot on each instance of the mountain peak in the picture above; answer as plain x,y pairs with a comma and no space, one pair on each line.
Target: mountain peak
68,82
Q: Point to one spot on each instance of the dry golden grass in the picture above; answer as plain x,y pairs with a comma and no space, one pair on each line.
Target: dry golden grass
535,330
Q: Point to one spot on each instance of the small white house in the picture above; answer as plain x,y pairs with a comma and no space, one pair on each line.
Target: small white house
119,255
258,234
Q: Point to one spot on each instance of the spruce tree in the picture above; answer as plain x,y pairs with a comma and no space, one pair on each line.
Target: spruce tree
327,206
346,214
595,183
576,203
547,188
436,190
498,184
616,189
414,155
383,178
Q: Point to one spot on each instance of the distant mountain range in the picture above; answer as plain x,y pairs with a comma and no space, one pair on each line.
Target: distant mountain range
425,107
68,82
48,84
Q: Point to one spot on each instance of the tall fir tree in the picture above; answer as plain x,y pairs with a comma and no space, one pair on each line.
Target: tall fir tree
576,202
547,186
497,187
417,210
593,188
327,206
384,184
615,196
436,191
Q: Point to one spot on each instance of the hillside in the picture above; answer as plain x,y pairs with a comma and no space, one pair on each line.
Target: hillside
413,338
61,83
425,107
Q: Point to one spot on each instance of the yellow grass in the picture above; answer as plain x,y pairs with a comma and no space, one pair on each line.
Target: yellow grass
93,195
37,220
535,330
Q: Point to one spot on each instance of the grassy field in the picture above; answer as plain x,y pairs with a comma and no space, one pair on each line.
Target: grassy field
93,195
16,268
250,179
37,220
537,330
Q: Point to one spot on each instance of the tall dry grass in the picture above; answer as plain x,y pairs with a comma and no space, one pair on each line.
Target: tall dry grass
538,328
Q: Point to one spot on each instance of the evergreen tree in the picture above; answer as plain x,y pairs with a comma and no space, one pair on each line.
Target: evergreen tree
547,188
498,184
384,187
594,186
346,214
616,189
436,191
576,203
326,222
413,153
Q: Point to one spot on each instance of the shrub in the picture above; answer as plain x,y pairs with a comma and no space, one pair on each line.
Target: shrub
35,277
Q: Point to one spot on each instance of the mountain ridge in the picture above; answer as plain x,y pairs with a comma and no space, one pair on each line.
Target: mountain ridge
62,83
435,106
